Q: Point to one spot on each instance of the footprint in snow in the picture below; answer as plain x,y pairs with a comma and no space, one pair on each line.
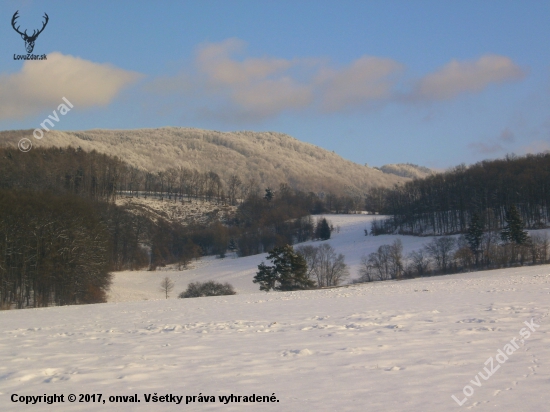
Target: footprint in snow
394,368
297,352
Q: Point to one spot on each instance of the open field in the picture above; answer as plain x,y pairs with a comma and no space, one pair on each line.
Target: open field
384,346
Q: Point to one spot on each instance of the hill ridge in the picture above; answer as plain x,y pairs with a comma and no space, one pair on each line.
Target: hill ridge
269,158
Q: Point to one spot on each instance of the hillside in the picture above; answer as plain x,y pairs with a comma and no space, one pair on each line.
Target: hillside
269,158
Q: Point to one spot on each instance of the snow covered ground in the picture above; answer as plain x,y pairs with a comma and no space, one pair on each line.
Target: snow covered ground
384,346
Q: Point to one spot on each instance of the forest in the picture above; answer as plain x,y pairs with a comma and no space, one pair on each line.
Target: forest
62,233
445,203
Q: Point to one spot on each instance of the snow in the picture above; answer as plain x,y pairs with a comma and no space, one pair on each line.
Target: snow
385,346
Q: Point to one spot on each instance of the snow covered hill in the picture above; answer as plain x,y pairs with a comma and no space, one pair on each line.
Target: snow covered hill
268,158
385,346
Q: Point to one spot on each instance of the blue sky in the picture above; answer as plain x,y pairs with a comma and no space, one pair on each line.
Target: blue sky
436,83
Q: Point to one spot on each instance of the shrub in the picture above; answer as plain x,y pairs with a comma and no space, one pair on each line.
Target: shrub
210,288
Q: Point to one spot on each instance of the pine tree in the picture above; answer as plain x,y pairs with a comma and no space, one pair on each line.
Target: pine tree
513,231
266,277
269,194
289,271
233,247
474,234
323,229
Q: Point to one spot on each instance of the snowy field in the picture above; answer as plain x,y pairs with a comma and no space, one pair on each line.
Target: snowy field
384,346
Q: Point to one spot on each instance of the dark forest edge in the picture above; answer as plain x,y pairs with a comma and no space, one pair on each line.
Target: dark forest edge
446,203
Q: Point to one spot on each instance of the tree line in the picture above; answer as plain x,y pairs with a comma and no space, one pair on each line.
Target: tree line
445,203
474,250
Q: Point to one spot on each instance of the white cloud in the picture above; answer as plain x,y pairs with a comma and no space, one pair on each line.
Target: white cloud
216,61
364,80
256,88
225,85
260,87
470,76
40,85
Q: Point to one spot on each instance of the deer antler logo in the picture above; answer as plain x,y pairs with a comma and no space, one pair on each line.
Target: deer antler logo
29,40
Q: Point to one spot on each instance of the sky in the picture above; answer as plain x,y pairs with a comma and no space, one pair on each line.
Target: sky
436,83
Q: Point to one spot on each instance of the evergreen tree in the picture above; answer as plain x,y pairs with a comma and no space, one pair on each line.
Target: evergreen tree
323,229
474,234
289,271
266,277
513,231
269,194
233,247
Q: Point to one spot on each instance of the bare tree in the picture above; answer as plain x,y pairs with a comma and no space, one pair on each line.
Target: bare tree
184,177
233,186
331,269
324,266
166,286
310,254
489,247
396,259
384,264
440,249
171,177
380,262
538,248
366,271
420,262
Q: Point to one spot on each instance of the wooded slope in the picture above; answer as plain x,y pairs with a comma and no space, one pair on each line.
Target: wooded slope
269,158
